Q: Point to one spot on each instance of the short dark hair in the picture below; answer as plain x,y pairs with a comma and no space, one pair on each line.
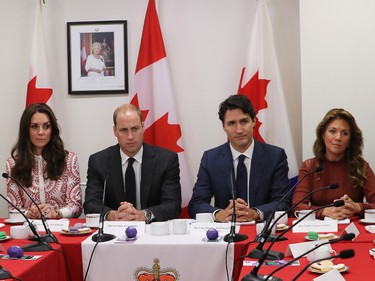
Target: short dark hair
237,102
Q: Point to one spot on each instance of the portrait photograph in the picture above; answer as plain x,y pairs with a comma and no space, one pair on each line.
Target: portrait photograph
97,57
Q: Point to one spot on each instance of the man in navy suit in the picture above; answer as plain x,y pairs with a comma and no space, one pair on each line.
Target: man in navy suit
266,170
156,171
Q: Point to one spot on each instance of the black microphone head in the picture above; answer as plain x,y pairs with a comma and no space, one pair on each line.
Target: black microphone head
348,236
339,203
5,175
318,169
334,186
345,254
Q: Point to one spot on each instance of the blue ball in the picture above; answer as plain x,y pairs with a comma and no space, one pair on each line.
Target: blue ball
15,252
212,234
131,232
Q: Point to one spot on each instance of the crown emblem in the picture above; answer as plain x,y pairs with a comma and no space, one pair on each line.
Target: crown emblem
155,273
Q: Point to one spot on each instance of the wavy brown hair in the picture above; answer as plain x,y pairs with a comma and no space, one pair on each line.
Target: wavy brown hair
353,154
22,152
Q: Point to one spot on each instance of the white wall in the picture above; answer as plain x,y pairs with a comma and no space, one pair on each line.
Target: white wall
205,42
338,65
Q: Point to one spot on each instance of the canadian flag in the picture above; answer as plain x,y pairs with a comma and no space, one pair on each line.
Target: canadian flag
39,88
261,82
153,94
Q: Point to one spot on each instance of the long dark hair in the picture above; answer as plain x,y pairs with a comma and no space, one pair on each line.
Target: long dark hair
353,154
22,152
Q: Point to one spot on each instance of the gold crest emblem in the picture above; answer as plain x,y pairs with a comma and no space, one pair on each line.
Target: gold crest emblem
155,273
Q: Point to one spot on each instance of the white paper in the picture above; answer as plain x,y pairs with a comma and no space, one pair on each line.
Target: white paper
202,227
332,275
298,249
118,227
315,225
351,228
54,225
345,221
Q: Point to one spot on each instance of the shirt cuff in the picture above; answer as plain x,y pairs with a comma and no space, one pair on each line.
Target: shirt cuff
214,215
260,213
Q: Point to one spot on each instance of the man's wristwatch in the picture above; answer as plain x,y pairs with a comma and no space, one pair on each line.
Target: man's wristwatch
148,215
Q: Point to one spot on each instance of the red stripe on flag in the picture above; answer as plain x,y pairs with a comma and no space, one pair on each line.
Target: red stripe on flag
151,37
37,95
154,95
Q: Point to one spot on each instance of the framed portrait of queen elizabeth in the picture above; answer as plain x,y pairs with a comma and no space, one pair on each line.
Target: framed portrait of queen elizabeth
97,57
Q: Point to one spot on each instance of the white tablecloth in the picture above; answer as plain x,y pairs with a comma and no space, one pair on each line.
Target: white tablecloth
189,256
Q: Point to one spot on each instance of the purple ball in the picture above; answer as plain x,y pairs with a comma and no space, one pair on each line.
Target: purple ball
15,252
212,234
131,232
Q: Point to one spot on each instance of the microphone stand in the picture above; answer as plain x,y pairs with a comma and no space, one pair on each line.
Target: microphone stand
4,274
101,236
232,236
344,254
38,247
258,252
48,237
253,276
270,237
345,237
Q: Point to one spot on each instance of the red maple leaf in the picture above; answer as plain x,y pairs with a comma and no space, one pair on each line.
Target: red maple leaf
255,89
37,95
161,133
135,102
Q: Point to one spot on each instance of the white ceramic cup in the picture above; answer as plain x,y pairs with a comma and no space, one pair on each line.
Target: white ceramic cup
370,215
283,219
31,233
159,228
259,227
92,220
204,217
15,216
320,253
179,226
19,232
301,213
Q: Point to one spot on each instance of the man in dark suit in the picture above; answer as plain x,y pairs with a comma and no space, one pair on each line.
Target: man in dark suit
156,191
264,170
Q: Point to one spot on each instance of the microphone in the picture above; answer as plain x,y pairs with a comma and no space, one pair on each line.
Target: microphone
344,254
258,252
253,276
345,237
4,274
48,237
38,247
232,236
101,236
271,237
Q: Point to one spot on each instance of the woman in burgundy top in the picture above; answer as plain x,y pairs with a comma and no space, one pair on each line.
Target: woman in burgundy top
338,150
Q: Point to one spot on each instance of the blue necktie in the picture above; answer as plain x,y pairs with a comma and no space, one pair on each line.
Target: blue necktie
130,194
241,180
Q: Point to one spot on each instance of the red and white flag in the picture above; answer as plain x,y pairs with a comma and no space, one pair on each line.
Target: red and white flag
261,82
39,89
153,94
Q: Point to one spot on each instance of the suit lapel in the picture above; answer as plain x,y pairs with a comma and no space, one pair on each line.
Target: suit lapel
226,163
148,169
257,164
116,177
